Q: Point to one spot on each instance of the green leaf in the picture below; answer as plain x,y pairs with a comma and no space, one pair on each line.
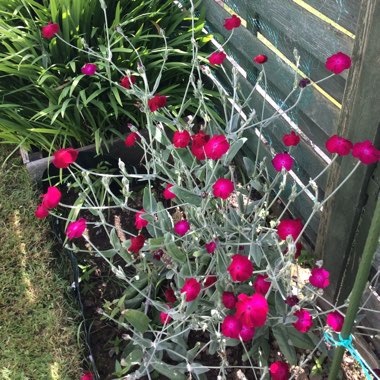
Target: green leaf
137,319
281,335
173,251
186,196
149,202
234,149
168,370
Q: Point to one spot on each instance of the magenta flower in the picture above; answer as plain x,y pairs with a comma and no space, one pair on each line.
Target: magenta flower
339,145
197,146
291,139
89,69
210,247
338,63
319,278
279,371
292,300
209,281
136,244
232,22
140,223
366,152
240,269
216,147
170,296
261,285
289,227
131,139
260,59
62,158
51,198
76,229
192,289
231,327
167,194
229,300
181,139
223,188
252,311
182,227
165,317
159,101
217,58
304,322
282,160
127,82
41,212
49,30
87,376
335,320
247,333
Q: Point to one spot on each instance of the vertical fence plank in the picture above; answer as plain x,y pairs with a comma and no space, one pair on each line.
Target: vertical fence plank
359,120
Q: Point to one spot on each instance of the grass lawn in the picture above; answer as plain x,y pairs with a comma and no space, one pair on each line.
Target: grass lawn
37,329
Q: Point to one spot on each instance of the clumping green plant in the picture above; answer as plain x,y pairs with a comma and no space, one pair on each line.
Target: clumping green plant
206,259
47,99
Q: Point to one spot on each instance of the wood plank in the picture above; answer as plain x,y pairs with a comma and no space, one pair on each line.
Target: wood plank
320,111
359,121
343,12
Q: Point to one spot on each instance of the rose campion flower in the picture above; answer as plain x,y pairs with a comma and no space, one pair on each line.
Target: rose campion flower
165,317
51,198
127,81
181,139
197,145
223,188
319,278
170,296
339,145
252,310
140,223
217,58
289,227
282,160
261,285
229,300
247,333
304,322
136,244
87,376
260,59
292,300
182,227
366,152
76,229
338,63
49,30
240,269
216,147
210,247
192,289
291,139
304,82
131,139
167,194
157,102
209,281
41,212
335,320
231,327
232,22
279,371
88,69
62,158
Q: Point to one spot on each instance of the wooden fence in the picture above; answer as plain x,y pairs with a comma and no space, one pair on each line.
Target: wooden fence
347,104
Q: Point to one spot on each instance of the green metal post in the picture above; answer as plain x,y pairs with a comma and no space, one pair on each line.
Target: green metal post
361,279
